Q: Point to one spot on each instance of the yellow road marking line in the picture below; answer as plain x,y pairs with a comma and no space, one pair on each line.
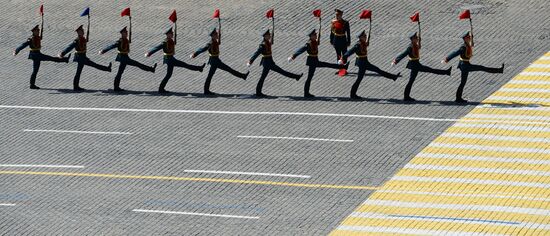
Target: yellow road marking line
190,179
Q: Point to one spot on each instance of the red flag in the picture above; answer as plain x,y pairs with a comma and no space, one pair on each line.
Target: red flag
216,14
125,12
342,72
415,17
173,17
41,10
365,14
464,15
317,13
270,13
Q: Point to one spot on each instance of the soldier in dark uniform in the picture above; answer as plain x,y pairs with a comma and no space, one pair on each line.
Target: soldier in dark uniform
465,53
168,47
413,52
79,44
123,47
267,62
213,48
312,49
362,61
35,44
340,36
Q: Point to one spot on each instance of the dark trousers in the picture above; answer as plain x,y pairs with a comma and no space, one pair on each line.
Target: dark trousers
170,64
271,66
340,46
86,62
127,61
216,63
416,67
36,59
311,72
465,69
363,67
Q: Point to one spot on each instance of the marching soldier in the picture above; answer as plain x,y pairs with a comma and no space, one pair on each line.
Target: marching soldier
35,44
79,44
267,62
168,47
213,48
340,36
311,47
123,47
362,61
465,53
413,52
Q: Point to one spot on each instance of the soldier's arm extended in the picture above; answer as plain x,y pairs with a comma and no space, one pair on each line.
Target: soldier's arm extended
155,49
455,53
257,53
403,55
110,47
21,47
201,50
299,51
348,33
349,52
68,49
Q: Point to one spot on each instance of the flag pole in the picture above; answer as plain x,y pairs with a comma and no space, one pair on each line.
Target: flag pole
472,30
88,30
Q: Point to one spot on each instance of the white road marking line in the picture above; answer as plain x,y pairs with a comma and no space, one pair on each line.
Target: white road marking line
247,173
295,138
460,207
195,214
495,137
501,171
411,231
41,166
228,112
74,131
544,58
525,90
483,158
529,73
490,148
470,181
6,204
543,82
535,65
502,126
492,195
508,117
519,99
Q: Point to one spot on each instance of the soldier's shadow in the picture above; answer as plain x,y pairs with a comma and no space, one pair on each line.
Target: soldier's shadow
111,92
71,91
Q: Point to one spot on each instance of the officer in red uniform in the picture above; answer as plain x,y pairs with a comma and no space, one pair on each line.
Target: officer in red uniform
79,45
413,52
168,46
268,64
465,53
312,49
35,44
123,47
362,61
213,48
340,36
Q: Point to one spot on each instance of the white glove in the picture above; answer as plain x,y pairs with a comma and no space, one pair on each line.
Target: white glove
290,59
341,62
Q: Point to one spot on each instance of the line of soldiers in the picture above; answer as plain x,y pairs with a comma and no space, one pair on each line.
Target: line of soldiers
340,39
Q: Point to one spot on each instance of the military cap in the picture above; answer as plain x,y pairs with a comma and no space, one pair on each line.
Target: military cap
312,32
338,11
467,33
123,30
361,34
81,27
169,31
266,33
413,35
35,28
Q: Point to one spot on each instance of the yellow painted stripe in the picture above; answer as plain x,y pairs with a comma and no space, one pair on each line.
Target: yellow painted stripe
533,95
475,175
478,164
518,112
436,212
190,179
495,143
527,86
547,54
447,226
534,156
534,69
530,77
501,132
485,200
462,187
